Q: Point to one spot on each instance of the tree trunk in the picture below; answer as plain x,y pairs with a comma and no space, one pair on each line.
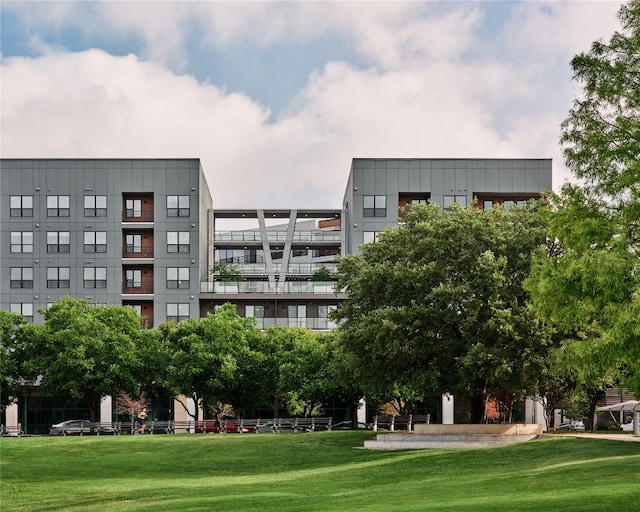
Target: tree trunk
477,408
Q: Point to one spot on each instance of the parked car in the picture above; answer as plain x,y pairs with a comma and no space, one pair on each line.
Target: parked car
627,426
77,427
571,425
214,427
279,426
348,425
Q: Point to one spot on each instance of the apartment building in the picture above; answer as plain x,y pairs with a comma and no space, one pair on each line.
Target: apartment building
131,232
144,233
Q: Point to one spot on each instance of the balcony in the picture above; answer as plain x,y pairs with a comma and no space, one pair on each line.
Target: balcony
277,236
293,269
310,287
318,324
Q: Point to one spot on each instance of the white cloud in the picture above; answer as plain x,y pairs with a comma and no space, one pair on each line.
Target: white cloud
431,89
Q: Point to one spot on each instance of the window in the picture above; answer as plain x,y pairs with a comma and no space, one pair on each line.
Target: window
21,206
58,241
22,241
250,256
133,208
58,277
370,236
178,277
299,252
23,308
277,255
375,206
324,312
225,255
137,307
487,204
297,316
450,200
177,312
57,206
133,243
95,241
178,241
177,206
95,206
133,278
319,253
95,277
256,311
21,277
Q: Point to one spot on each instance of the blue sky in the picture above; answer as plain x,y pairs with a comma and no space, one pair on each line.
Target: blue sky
276,98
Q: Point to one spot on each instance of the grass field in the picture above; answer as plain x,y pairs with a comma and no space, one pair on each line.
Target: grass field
319,471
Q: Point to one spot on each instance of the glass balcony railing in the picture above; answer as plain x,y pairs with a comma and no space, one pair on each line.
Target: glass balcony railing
292,268
315,287
318,324
277,236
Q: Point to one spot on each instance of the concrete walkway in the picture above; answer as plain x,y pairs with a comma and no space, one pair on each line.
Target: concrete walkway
611,437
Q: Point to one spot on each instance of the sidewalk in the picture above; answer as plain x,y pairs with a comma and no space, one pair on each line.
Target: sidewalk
612,437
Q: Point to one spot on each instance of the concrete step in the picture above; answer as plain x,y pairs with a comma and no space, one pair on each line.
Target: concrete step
408,441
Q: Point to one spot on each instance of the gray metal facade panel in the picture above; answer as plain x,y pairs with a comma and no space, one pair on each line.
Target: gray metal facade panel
78,178
439,177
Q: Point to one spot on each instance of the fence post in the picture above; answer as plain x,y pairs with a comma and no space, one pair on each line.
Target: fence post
410,426
393,423
375,423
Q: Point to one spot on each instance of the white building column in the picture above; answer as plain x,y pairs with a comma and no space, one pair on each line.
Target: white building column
534,412
11,414
447,409
362,411
636,423
105,414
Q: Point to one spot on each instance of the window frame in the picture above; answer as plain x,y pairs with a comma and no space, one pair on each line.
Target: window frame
23,282
91,280
93,206
179,282
56,208
17,206
23,245
374,206
179,207
54,243
93,245
178,246
56,277
179,306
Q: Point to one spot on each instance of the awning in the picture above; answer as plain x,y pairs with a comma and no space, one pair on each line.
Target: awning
629,405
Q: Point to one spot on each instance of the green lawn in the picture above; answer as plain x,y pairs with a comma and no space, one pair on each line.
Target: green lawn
319,471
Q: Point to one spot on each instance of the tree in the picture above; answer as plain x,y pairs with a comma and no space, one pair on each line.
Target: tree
83,351
226,272
593,283
10,378
322,274
438,304
305,373
202,355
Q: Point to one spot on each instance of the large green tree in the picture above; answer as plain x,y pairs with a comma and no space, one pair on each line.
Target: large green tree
202,356
10,377
593,282
438,304
83,351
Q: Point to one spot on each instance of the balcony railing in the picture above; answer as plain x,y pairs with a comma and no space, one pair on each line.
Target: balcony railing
277,236
318,324
317,287
297,269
